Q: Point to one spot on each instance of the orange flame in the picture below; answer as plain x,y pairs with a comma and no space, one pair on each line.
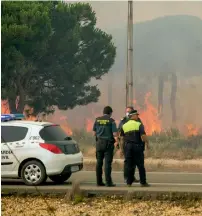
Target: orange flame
66,128
149,117
192,130
148,114
89,125
5,107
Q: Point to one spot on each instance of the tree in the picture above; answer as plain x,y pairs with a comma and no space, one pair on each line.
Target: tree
75,52
26,27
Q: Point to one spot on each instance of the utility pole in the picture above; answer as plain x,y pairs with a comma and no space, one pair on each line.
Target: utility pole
129,70
110,90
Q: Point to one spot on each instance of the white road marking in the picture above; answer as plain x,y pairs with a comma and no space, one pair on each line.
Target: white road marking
165,184
163,173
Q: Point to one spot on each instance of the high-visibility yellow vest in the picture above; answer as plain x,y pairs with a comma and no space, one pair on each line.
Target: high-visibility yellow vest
130,126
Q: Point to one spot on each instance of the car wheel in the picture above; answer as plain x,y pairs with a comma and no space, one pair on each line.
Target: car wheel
33,173
59,179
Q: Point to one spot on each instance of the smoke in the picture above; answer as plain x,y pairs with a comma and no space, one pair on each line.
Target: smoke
173,85
173,97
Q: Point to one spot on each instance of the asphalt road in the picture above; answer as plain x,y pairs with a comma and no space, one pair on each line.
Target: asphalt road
160,182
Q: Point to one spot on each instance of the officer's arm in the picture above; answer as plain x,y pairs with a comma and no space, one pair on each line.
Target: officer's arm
94,128
122,140
119,129
144,136
115,131
120,126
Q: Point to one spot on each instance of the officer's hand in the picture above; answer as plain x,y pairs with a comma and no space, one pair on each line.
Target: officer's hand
116,144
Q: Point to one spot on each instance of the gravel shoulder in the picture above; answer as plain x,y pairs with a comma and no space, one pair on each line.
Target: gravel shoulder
21,206
153,165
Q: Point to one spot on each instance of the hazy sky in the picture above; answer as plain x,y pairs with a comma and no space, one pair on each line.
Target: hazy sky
112,14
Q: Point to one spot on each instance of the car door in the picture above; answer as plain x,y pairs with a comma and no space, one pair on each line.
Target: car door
5,162
12,138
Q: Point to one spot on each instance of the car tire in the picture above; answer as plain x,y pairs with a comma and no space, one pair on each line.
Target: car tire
33,173
59,179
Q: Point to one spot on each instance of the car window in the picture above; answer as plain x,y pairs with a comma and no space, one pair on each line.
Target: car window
13,133
53,133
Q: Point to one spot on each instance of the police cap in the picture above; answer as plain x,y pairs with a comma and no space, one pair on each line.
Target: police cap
133,112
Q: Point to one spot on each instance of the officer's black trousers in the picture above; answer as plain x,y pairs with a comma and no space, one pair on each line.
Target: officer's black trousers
134,156
125,166
104,150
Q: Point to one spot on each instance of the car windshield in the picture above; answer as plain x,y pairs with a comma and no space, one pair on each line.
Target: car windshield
54,133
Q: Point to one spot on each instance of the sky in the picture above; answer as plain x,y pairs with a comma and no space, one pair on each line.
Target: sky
112,14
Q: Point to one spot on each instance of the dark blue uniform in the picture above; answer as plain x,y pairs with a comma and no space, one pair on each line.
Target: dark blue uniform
122,122
104,128
133,150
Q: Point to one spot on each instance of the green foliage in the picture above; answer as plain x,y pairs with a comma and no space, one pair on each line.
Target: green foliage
57,52
26,26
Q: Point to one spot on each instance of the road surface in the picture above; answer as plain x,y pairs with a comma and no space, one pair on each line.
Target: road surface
160,182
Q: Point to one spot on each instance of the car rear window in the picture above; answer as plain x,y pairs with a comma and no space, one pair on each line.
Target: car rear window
13,133
53,133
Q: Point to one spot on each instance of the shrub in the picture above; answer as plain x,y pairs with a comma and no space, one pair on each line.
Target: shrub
166,144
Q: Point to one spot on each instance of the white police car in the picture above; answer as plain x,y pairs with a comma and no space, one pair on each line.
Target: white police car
34,151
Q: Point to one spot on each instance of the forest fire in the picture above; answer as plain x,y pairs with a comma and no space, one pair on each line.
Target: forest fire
5,107
148,114
63,121
192,130
89,125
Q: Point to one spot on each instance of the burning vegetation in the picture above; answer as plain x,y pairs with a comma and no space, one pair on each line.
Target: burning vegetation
149,116
166,143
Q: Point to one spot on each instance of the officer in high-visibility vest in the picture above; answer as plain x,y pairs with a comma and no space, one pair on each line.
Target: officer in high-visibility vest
122,122
132,141
105,131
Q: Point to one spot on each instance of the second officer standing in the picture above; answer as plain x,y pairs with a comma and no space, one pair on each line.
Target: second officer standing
105,131
133,137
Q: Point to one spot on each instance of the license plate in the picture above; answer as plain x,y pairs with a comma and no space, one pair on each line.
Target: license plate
74,168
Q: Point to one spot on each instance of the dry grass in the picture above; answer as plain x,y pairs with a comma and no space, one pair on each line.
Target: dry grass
169,144
32,206
168,165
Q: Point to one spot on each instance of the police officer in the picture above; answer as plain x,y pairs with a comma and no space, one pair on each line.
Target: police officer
122,122
126,117
132,137
105,131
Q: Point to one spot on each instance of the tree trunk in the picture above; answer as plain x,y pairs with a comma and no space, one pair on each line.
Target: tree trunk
21,91
161,80
12,105
21,104
173,97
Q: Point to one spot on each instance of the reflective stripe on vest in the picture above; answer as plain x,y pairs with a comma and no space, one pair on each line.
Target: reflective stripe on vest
131,125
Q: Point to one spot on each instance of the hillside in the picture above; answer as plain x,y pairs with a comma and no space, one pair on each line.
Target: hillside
163,44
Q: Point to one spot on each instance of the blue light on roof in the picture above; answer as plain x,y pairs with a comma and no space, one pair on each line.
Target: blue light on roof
11,117
18,116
